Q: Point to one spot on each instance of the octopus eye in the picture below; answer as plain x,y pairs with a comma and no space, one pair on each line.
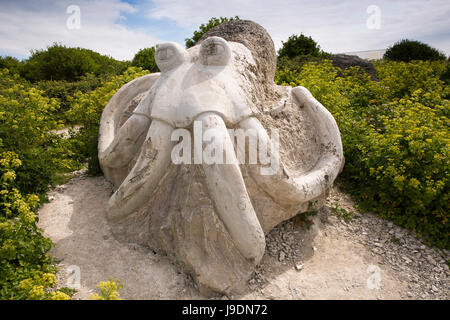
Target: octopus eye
169,55
214,51
165,54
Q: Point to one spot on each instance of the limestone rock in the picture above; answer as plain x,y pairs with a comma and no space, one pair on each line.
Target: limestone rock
345,61
211,218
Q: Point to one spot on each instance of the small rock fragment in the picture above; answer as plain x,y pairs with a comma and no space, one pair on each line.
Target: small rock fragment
299,267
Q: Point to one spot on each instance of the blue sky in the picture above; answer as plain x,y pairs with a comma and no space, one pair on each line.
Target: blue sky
120,28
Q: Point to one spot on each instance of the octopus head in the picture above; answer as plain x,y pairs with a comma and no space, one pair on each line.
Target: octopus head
221,74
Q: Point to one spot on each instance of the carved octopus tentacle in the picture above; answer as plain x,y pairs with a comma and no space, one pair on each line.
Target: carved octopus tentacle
115,149
228,190
146,173
288,188
322,176
126,143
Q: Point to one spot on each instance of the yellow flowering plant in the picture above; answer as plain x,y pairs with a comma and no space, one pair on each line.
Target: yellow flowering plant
22,247
395,136
27,127
31,156
109,290
86,110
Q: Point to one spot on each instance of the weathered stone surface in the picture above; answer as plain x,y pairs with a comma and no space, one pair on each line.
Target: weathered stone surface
345,61
212,218
253,37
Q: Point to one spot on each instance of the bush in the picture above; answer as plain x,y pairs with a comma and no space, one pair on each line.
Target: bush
26,271
408,50
296,63
63,90
25,116
58,62
109,290
445,76
31,158
395,137
9,79
299,46
86,111
145,59
10,63
401,79
409,160
27,127
213,22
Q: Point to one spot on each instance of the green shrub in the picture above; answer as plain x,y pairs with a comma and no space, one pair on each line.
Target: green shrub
409,161
26,127
10,63
401,79
145,59
59,62
31,156
408,50
26,271
297,63
109,290
9,79
63,90
445,76
26,116
395,137
86,111
213,22
299,46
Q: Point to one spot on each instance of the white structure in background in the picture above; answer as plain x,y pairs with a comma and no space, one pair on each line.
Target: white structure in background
369,54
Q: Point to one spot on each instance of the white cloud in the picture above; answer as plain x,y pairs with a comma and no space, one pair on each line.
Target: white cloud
338,26
34,25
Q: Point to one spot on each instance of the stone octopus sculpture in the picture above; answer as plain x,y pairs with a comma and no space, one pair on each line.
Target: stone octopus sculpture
212,218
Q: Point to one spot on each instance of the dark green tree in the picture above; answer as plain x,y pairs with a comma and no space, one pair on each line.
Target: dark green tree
299,46
145,58
408,50
298,51
10,63
213,22
59,62
445,76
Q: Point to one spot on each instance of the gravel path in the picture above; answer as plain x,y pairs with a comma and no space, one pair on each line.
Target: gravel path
330,258
354,253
